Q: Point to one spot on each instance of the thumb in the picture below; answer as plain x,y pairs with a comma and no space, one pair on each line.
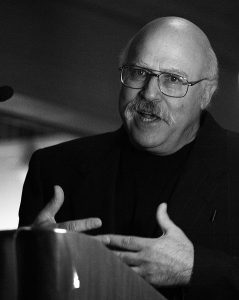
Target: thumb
163,219
56,202
47,214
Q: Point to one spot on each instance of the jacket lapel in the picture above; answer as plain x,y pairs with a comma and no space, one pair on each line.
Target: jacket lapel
94,194
199,179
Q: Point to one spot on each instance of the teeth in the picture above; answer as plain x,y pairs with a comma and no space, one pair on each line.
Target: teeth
147,117
145,114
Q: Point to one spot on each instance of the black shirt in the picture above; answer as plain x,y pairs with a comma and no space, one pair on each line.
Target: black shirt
144,181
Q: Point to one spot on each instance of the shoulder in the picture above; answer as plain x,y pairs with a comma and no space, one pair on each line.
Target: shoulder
229,141
79,148
211,130
232,139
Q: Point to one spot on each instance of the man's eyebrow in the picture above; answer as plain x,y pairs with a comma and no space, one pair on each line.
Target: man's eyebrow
175,71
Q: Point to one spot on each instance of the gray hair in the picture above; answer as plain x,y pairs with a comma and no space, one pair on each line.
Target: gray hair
211,68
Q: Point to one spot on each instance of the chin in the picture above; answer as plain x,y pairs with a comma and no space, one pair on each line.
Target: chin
146,140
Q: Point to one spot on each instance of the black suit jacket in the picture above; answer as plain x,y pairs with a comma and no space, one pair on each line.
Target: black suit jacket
204,204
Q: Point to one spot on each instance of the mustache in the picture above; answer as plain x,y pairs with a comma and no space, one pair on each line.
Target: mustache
153,107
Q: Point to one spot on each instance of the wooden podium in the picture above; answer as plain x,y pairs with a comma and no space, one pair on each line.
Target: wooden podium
60,265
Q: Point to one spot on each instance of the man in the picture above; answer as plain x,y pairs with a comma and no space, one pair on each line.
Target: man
170,157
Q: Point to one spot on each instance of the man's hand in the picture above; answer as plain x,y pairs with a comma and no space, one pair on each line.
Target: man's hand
163,261
46,218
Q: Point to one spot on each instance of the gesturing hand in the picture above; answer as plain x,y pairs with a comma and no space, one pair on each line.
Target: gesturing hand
163,261
46,217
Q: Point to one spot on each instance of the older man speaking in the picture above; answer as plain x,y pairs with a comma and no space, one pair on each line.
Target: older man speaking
170,158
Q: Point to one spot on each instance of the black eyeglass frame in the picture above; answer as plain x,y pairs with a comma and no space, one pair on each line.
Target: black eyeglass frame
151,73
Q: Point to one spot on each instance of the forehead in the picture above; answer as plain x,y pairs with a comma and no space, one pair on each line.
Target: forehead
167,50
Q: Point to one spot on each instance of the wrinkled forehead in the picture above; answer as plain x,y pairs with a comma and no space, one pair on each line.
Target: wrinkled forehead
168,49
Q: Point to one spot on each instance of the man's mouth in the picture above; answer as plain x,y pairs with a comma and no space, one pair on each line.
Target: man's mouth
147,116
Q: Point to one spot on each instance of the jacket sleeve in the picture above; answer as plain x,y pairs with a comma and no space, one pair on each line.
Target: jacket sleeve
215,275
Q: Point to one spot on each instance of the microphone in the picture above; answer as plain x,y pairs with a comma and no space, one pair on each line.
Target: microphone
6,92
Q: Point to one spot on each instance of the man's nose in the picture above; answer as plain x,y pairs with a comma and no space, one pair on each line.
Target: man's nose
151,90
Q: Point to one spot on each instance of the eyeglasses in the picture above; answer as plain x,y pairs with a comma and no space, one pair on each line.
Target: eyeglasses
170,84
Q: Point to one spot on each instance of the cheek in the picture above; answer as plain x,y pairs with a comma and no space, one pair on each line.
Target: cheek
176,110
185,113
126,95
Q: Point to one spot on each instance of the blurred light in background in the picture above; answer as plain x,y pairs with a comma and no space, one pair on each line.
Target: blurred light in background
12,174
14,156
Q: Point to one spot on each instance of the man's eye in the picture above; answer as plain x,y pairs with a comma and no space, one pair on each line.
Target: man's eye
172,79
138,73
141,72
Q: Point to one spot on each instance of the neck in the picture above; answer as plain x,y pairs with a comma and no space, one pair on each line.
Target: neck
176,142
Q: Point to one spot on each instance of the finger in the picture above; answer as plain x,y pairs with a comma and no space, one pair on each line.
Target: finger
124,242
81,225
47,214
103,239
129,258
56,201
163,219
54,205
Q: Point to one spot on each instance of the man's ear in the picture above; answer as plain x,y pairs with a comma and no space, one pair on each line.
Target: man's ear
209,90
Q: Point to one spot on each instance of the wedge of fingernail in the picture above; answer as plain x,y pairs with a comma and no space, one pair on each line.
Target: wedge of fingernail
98,222
107,240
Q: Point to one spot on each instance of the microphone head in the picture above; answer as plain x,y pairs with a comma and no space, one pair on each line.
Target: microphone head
6,92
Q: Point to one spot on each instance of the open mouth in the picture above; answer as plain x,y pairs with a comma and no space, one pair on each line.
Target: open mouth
147,116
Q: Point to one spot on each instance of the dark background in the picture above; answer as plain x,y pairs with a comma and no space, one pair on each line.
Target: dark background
64,53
